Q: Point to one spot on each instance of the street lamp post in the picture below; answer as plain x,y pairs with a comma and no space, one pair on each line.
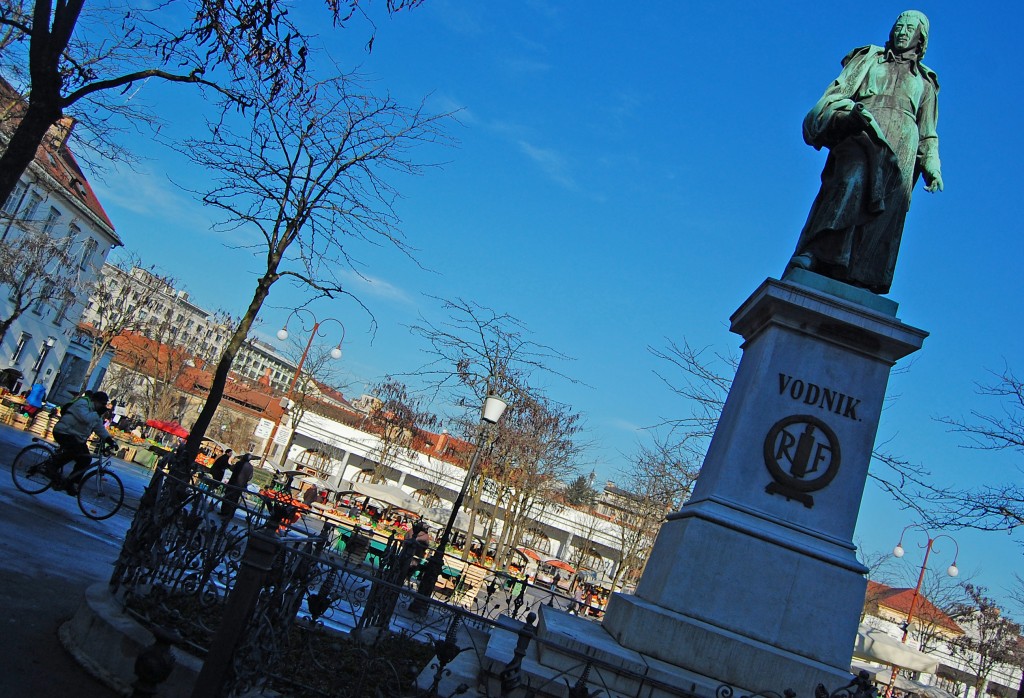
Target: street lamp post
43,353
282,334
952,571
493,408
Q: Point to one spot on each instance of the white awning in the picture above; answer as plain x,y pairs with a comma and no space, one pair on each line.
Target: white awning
388,494
875,645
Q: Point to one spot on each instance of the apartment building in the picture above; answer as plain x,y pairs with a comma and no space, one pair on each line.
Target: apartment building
167,315
53,198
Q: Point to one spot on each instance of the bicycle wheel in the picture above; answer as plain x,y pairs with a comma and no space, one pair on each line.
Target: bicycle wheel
100,494
27,468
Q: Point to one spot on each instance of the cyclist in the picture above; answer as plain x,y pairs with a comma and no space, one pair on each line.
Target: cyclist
79,419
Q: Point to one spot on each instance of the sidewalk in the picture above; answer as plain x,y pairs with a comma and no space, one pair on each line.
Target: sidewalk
49,554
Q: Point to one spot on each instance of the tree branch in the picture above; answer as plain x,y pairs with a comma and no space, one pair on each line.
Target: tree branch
194,77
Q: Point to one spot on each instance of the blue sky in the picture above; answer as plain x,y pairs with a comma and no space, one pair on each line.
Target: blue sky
627,174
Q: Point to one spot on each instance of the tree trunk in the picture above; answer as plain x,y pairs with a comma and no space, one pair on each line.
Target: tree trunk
5,325
21,149
44,104
220,375
95,356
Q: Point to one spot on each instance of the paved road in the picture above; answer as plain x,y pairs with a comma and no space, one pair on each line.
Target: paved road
49,554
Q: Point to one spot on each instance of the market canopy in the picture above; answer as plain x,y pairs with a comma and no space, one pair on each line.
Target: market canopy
562,565
388,494
172,428
875,645
440,516
530,554
317,482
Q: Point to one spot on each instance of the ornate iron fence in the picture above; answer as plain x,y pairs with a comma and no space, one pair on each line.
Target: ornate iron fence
306,610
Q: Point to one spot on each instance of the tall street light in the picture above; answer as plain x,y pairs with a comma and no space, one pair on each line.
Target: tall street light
43,352
493,408
952,571
282,334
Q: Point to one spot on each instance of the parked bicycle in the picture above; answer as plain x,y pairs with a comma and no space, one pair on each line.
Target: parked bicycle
100,490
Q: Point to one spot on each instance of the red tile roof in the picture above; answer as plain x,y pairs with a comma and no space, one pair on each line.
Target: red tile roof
899,600
53,155
150,357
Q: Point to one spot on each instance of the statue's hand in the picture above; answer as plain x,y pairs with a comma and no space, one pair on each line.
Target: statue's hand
845,123
933,181
862,114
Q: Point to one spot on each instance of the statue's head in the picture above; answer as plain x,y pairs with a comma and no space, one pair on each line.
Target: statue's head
909,32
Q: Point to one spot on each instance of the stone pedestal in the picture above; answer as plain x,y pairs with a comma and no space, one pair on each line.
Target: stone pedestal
754,582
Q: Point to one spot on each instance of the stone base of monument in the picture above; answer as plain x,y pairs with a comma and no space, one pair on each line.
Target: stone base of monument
755,581
565,647
754,584
731,650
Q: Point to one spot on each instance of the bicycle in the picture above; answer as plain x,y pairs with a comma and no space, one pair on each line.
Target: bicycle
100,490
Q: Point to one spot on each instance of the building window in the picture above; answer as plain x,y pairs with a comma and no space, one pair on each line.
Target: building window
14,200
62,311
22,341
44,298
43,352
34,199
87,253
52,218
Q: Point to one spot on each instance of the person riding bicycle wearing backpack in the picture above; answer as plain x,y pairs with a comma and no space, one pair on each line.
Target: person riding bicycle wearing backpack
79,419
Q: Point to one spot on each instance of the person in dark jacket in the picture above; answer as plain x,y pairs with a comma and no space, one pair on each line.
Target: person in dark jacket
80,419
414,546
221,465
241,473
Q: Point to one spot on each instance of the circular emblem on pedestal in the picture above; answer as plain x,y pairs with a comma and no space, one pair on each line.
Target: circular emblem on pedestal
802,455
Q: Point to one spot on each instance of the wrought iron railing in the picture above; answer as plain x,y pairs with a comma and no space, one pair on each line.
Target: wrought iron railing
306,610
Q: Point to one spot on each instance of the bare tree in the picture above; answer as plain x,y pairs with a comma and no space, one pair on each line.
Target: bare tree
586,556
991,637
996,506
145,373
396,419
535,451
934,621
307,179
317,369
73,60
37,270
150,365
118,305
477,351
659,480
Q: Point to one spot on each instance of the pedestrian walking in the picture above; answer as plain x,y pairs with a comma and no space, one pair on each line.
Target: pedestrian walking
577,601
241,473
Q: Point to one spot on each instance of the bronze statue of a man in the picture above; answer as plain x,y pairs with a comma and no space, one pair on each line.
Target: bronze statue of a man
878,121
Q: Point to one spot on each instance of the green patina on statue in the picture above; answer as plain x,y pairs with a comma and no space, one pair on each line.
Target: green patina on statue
878,122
